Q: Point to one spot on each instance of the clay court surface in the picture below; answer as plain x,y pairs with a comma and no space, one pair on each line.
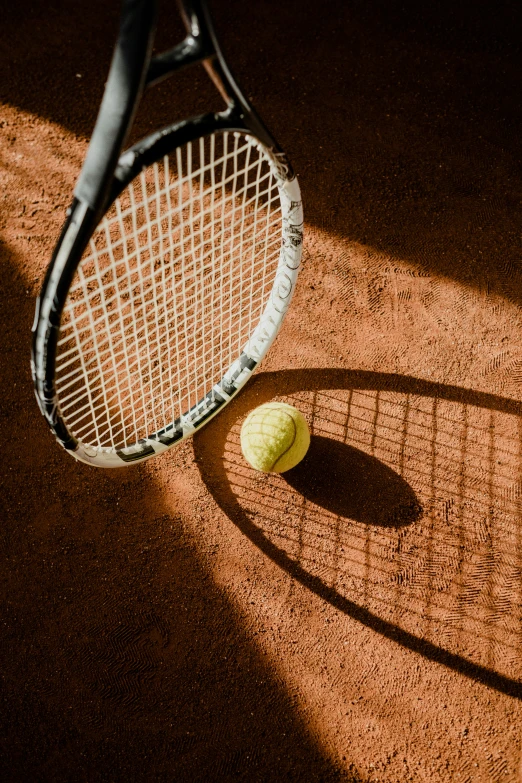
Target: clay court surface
360,617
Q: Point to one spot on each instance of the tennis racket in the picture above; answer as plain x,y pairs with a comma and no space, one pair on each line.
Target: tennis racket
176,264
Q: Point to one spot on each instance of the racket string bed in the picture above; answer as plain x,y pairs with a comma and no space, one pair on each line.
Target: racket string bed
174,282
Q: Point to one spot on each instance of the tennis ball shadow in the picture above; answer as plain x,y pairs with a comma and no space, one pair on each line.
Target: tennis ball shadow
352,484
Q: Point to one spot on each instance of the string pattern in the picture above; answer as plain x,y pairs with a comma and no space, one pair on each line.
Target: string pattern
173,283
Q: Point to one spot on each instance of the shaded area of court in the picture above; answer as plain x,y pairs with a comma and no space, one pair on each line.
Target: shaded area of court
121,660
402,119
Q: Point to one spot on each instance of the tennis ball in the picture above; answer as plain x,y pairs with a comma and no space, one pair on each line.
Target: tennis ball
274,437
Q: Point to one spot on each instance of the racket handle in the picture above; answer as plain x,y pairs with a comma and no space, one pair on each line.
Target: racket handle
195,48
121,97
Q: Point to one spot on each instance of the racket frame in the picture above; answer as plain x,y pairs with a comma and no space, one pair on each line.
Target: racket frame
105,174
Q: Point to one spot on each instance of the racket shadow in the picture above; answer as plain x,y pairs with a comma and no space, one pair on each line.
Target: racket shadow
404,515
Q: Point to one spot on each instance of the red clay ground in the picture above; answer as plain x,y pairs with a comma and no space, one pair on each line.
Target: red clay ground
358,618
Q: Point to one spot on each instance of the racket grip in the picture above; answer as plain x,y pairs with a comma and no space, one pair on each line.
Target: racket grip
121,97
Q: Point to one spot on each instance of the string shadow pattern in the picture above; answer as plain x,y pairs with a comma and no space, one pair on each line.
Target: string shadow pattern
405,512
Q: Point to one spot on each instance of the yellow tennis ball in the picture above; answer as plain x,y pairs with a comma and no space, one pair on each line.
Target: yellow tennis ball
274,437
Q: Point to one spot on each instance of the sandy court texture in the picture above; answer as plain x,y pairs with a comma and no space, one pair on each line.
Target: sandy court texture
360,617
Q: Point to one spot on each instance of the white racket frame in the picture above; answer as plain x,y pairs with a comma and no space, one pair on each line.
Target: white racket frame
250,357
106,172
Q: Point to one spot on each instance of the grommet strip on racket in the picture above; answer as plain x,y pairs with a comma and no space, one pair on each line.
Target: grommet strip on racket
176,264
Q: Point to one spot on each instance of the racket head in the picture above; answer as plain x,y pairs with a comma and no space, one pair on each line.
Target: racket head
152,318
